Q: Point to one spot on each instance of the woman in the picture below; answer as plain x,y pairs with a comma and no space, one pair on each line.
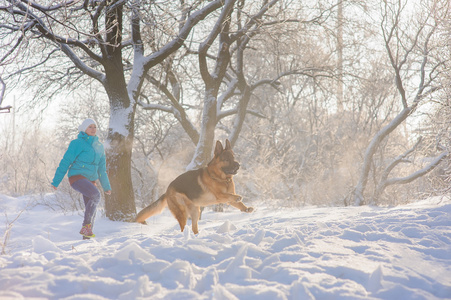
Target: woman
85,160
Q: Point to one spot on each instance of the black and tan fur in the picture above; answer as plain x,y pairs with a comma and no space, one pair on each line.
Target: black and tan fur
193,189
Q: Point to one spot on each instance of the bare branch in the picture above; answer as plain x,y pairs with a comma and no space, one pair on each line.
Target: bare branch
176,109
2,92
419,173
35,21
11,51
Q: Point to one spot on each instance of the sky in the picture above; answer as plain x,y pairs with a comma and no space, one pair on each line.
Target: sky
365,252
24,116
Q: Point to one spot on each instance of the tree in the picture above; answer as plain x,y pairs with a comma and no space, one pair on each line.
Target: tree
99,37
6,56
409,56
228,78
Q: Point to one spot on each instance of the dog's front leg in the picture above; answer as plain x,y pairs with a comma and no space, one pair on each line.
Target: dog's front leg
228,198
195,214
240,205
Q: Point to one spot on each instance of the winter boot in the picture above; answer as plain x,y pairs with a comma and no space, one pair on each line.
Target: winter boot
86,231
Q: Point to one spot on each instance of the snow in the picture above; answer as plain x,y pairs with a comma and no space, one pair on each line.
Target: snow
363,252
119,119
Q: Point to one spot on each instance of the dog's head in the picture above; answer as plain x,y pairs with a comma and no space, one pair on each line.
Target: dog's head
225,159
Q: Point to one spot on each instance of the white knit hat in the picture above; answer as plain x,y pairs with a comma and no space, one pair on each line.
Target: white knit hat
85,125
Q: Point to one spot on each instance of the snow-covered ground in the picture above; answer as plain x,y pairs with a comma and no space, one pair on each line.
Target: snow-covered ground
308,253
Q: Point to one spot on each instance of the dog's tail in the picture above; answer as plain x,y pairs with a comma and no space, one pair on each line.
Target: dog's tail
153,209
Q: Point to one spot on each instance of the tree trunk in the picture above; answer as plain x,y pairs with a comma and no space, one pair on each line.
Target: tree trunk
120,205
204,147
371,150
212,83
340,106
241,114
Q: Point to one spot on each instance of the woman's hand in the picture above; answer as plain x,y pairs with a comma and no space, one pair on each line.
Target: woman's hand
108,192
54,187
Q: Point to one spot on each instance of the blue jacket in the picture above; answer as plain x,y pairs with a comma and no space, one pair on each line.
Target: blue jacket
85,156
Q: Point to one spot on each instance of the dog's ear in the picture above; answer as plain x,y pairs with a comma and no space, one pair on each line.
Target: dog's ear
218,148
228,145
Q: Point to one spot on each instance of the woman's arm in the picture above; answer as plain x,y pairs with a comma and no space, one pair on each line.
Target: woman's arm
103,176
68,159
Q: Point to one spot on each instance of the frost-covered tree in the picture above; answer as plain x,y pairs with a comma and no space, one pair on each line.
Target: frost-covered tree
225,60
103,41
416,66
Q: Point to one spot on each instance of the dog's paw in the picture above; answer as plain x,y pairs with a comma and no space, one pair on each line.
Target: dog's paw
249,209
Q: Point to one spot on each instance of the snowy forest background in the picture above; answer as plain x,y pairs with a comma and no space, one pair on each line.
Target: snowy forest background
308,92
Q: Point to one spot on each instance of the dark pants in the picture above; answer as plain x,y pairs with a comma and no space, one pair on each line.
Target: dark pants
91,197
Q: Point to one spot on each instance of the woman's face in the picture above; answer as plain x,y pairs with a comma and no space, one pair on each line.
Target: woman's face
91,130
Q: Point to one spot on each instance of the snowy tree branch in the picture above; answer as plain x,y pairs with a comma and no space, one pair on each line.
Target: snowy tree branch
206,44
81,65
419,173
152,106
143,64
176,43
234,111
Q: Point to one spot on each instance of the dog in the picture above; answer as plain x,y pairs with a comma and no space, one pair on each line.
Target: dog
197,188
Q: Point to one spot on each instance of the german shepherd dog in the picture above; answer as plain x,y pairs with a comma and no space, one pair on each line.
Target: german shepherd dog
206,186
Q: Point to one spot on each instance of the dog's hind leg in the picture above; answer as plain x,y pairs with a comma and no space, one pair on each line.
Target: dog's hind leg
178,209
